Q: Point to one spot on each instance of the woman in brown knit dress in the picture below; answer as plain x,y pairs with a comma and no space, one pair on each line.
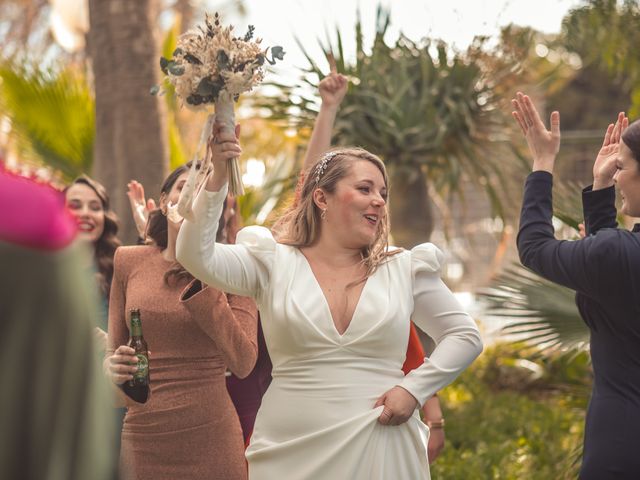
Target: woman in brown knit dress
188,429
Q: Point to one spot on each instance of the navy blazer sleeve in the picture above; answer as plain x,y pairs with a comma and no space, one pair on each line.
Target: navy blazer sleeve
582,265
599,207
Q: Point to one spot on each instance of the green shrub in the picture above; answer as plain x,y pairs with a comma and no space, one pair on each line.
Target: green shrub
510,416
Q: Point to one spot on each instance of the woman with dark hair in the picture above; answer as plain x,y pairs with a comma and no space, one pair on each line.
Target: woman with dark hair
88,202
246,393
188,428
335,306
604,270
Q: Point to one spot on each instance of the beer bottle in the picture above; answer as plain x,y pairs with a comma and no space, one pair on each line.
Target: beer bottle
138,387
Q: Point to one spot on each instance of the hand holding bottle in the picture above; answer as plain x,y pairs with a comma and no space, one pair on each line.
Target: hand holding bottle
121,366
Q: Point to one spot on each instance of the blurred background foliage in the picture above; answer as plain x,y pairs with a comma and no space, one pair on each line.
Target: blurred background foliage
510,417
51,114
440,119
433,114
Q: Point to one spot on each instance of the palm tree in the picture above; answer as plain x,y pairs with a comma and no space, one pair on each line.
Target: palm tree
51,114
130,123
605,33
433,115
539,312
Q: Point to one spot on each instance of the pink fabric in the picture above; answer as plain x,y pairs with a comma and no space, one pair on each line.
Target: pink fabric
33,214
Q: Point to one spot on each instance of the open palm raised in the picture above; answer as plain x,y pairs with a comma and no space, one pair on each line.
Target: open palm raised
543,144
604,167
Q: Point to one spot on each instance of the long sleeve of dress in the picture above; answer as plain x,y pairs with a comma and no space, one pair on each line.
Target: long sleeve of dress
599,207
590,265
438,313
230,321
241,269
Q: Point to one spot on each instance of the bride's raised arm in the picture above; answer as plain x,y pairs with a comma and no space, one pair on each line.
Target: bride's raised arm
242,269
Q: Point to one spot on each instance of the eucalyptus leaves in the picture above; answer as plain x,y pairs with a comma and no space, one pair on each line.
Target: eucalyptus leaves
209,60
212,67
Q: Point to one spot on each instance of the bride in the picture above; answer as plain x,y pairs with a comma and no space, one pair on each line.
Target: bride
335,304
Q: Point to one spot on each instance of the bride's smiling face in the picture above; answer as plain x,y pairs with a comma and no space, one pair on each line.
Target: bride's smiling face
356,208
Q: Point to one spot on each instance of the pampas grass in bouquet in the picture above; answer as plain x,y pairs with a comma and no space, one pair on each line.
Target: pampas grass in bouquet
211,68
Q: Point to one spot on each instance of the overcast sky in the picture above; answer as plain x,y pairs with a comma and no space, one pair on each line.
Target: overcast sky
278,22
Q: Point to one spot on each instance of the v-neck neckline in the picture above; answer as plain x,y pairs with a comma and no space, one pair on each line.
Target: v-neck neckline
326,302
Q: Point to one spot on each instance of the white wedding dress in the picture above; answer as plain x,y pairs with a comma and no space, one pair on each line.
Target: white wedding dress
317,419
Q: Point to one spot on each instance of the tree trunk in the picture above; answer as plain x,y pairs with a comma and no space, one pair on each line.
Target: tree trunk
184,8
410,208
130,123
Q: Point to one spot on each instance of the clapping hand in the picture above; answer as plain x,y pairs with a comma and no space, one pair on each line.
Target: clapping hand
140,207
604,167
333,87
543,144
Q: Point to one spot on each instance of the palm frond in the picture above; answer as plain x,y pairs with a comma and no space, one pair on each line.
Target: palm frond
538,311
52,116
418,104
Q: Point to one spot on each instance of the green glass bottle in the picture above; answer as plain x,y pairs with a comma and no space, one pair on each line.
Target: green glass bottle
138,387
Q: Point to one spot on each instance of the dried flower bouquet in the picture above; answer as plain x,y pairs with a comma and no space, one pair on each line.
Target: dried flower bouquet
212,67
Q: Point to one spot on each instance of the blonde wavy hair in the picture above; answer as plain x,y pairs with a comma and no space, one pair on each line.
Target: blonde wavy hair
301,223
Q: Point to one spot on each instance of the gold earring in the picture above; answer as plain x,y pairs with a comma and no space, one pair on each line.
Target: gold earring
323,215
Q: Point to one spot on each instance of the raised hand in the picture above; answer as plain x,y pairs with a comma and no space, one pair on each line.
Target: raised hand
333,87
224,145
140,207
398,406
543,144
604,167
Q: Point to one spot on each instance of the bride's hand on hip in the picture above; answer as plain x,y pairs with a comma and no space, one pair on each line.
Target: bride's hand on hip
398,404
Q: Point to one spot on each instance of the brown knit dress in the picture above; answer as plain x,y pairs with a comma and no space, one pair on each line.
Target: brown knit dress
188,429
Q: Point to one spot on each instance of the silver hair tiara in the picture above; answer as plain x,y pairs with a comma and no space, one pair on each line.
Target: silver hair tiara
322,165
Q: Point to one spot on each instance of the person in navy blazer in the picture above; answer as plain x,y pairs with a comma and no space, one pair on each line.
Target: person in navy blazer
604,270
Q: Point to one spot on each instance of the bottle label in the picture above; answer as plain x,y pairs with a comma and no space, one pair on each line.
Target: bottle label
136,327
143,367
